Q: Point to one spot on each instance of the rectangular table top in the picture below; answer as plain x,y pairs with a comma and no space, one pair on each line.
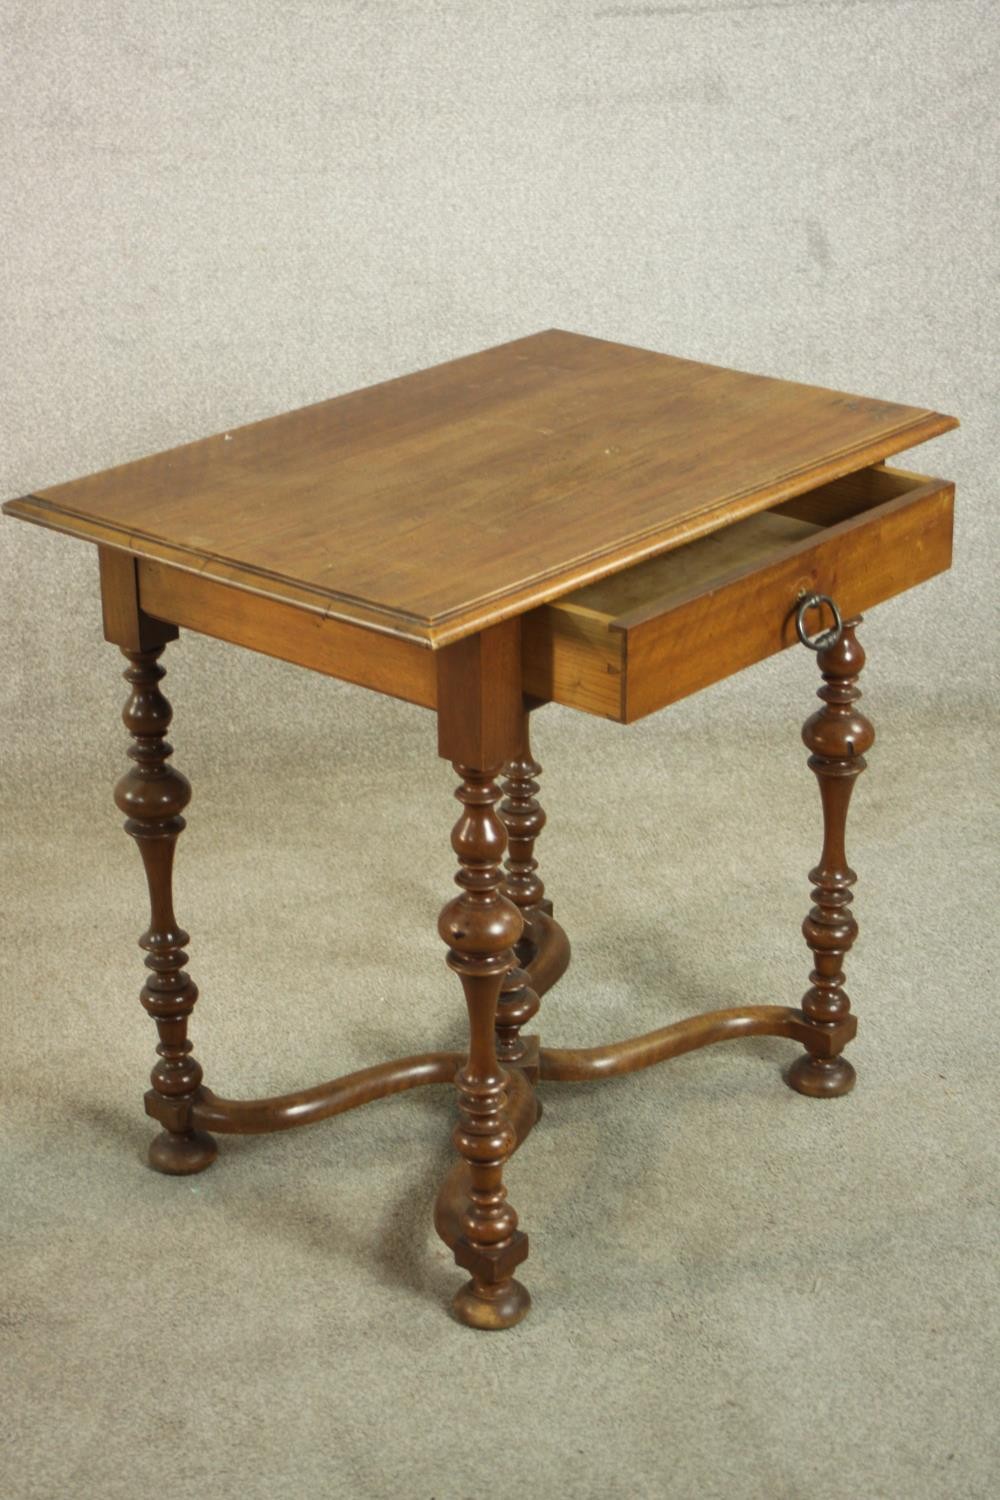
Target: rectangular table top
441,502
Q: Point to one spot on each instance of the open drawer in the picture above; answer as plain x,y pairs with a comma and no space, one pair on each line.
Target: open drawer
642,638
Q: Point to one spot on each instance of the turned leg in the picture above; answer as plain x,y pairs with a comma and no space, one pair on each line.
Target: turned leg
523,817
838,735
153,794
480,927
479,730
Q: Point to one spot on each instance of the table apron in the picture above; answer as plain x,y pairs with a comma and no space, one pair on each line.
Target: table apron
370,658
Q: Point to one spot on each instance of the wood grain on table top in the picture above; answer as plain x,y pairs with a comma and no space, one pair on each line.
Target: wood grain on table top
432,505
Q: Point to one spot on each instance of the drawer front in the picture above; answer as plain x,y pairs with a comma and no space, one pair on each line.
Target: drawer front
628,665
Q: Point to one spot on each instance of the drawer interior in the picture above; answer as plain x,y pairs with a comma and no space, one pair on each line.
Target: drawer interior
662,582
627,645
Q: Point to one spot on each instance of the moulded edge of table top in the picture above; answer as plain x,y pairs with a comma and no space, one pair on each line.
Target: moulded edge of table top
444,630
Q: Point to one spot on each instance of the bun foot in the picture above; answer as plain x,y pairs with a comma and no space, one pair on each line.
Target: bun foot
821,1077
491,1307
180,1155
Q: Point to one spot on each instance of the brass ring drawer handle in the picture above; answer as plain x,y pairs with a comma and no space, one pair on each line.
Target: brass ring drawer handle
826,638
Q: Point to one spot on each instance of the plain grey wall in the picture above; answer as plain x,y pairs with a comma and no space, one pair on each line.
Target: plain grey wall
216,211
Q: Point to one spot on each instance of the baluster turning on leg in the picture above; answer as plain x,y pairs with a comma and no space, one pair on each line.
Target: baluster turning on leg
153,794
480,927
838,735
524,818
479,729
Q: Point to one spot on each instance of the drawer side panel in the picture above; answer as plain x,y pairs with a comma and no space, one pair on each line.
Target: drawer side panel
573,658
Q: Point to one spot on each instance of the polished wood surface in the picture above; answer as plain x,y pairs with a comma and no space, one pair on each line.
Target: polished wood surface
384,663
634,643
153,795
838,735
523,1110
550,954
558,518
523,819
126,623
480,727
323,1100
565,458
589,1064
663,582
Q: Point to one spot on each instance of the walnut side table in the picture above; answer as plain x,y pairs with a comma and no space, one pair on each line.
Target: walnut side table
555,519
